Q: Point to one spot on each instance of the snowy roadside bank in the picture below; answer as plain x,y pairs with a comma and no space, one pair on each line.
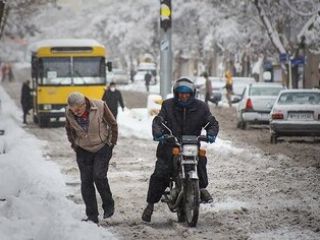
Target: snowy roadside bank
32,190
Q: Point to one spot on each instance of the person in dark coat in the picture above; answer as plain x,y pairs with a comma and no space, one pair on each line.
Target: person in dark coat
147,80
113,98
26,99
184,115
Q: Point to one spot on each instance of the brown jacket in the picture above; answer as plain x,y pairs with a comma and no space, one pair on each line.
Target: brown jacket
102,129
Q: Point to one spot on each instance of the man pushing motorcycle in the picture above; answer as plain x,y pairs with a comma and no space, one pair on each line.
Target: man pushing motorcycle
184,115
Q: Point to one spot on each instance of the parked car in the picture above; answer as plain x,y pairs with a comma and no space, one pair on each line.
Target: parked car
256,103
218,87
296,112
119,76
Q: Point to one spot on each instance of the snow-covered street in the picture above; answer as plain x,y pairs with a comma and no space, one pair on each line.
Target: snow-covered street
260,191
264,178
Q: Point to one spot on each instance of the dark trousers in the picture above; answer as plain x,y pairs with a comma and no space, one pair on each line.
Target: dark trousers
160,178
114,113
93,171
25,113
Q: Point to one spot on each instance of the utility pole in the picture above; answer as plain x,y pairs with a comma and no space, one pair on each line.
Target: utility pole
165,48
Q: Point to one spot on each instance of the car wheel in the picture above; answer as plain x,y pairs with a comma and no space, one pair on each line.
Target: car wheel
243,125
273,139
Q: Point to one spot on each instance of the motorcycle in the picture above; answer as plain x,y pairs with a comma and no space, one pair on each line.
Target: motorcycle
183,196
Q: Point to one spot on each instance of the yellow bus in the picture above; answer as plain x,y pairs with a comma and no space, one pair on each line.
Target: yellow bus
61,66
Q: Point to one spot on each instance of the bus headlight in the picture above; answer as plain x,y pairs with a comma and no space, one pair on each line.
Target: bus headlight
47,107
190,150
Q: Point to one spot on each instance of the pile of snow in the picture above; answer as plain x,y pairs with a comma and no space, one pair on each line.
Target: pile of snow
135,122
32,190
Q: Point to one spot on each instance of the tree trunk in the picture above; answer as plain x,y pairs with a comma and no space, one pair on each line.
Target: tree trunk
311,71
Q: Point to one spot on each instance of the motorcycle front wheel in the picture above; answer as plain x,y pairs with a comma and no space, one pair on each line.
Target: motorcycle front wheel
191,201
180,214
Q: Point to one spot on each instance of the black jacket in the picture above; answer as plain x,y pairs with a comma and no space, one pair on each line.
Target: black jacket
113,99
26,97
184,120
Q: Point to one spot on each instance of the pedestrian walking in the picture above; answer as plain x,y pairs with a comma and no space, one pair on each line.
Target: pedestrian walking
208,90
93,143
229,87
147,80
26,100
113,98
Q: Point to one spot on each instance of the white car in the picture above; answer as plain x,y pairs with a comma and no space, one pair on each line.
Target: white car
256,103
119,76
218,87
296,112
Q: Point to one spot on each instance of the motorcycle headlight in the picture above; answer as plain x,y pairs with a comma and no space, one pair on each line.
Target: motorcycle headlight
47,107
190,150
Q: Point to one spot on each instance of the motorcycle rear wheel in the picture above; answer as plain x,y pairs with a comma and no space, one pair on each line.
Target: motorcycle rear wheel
191,201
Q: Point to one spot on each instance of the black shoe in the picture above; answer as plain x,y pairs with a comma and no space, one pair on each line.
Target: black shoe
147,213
94,220
109,212
205,196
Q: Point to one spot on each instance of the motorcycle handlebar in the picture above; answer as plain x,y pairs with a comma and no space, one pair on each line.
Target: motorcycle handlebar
171,138
203,138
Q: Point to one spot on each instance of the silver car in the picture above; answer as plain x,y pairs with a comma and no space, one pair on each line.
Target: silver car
296,113
256,103
119,76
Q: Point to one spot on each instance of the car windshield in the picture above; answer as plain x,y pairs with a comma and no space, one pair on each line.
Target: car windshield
299,98
264,91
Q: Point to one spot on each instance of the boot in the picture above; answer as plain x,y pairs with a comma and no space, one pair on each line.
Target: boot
147,213
91,219
108,212
205,196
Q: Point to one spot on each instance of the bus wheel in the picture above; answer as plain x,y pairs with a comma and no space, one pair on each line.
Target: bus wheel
43,122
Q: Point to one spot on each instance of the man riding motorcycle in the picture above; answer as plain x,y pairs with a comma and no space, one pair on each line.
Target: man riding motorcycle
184,115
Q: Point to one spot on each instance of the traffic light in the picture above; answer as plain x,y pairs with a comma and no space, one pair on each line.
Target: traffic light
165,14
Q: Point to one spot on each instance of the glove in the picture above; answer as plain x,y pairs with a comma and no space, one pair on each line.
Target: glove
211,138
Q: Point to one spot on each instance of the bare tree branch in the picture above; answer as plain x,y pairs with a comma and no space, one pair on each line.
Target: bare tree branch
272,33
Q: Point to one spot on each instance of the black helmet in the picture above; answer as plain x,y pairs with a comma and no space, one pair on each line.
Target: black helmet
184,85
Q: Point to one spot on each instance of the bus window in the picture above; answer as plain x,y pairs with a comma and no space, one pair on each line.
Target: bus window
56,71
88,70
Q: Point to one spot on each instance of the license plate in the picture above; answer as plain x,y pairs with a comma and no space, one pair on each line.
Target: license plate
300,116
265,115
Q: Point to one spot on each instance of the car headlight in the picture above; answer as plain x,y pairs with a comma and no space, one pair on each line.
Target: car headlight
190,150
47,107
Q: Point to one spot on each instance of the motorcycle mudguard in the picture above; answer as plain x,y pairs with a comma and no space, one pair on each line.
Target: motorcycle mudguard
193,175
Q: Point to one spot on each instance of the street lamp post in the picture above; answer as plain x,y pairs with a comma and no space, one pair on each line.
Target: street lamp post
165,48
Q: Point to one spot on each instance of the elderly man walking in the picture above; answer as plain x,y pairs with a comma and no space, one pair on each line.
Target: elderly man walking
88,124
